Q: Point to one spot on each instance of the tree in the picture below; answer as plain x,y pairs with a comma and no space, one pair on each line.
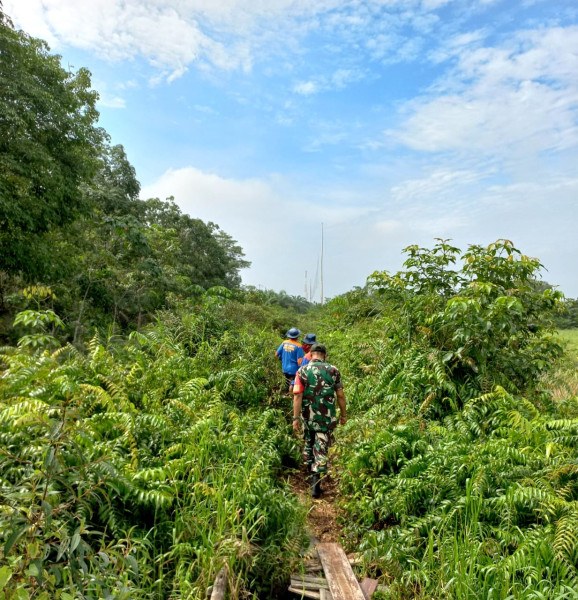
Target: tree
49,146
465,330
208,256
114,189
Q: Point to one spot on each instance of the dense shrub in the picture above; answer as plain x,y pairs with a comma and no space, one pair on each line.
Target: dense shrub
130,471
454,484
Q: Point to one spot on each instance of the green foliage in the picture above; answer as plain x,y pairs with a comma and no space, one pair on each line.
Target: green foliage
130,471
568,315
455,485
452,334
70,213
483,504
49,146
271,298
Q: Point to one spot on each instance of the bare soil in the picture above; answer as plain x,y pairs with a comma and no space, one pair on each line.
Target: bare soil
323,513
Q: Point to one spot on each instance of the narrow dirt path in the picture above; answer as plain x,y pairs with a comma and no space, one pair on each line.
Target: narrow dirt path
323,513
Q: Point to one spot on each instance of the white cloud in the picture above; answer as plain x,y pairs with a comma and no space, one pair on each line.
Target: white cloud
111,101
338,80
435,185
388,226
521,98
225,34
208,110
280,231
267,218
456,45
305,88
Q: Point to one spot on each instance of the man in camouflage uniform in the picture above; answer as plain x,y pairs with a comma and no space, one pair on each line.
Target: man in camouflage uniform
316,386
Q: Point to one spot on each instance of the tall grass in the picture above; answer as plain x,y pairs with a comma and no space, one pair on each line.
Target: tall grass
138,469
458,466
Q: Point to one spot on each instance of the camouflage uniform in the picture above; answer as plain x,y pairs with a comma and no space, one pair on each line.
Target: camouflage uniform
318,381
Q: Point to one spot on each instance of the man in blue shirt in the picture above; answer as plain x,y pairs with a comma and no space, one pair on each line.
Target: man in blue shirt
290,353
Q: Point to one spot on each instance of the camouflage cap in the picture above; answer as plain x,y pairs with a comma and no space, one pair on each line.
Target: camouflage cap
317,347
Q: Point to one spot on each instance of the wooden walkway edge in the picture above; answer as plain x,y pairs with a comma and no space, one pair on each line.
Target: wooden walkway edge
339,581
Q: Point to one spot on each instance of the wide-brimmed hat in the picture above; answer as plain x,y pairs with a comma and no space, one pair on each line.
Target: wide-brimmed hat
293,333
309,339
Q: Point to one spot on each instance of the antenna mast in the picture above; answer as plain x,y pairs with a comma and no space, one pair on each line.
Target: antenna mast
322,295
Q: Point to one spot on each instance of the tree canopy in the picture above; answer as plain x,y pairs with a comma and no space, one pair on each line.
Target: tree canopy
49,145
70,213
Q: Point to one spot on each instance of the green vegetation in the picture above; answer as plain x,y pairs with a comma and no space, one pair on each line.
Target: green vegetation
568,315
459,468
143,444
138,468
70,213
570,338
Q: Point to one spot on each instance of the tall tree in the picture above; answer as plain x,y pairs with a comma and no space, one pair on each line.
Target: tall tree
49,146
208,255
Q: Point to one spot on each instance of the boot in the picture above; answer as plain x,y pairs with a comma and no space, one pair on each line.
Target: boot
315,485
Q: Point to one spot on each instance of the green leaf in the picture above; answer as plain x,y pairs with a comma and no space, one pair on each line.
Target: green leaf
13,538
74,542
21,594
133,563
33,570
47,510
447,356
5,575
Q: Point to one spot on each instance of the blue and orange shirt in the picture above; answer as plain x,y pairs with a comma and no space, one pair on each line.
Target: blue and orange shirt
290,353
306,360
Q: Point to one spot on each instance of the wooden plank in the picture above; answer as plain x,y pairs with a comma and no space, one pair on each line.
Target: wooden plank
220,585
325,594
340,577
315,565
368,586
319,580
305,593
308,585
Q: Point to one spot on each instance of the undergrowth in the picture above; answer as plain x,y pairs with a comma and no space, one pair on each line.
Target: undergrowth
458,467
141,467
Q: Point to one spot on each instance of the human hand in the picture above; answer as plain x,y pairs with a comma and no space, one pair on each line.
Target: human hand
342,420
296,425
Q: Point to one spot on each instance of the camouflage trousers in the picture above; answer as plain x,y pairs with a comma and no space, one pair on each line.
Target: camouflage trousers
316,449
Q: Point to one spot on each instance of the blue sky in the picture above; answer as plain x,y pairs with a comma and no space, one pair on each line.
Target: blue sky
393,122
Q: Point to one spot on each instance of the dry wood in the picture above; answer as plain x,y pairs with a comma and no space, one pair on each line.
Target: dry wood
220,585
368,586
315,565
306,585
320,580
325,594
340,577
305,593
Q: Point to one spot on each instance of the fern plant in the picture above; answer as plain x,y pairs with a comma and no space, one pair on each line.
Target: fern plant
126,472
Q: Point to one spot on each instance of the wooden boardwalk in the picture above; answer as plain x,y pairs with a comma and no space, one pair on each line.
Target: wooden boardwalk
337,583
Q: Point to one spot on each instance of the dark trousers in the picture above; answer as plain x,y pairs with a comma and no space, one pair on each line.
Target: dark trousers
288,380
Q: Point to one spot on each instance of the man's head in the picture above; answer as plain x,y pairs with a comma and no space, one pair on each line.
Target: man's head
293,333
318,351
308,341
